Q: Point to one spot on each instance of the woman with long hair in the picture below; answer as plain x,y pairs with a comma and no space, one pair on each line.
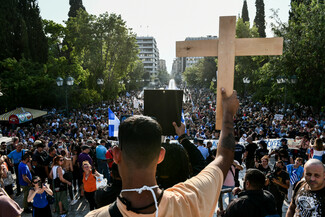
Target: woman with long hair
38,194
264,165
60,188
89,182
318,149
68,173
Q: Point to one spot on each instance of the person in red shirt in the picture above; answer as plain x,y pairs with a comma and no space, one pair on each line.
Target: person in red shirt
109,157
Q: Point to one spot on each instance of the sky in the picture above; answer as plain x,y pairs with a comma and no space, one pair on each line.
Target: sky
169,21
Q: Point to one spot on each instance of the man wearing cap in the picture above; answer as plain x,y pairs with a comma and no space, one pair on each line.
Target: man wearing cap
84,156
39,160
101,159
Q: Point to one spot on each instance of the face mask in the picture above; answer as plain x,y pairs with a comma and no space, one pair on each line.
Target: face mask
146,188
60,147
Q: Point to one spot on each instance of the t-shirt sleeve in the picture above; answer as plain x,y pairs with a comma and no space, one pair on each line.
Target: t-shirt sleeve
10,155
9,207
200,193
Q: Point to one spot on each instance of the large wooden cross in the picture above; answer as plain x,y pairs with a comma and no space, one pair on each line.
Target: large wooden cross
226,48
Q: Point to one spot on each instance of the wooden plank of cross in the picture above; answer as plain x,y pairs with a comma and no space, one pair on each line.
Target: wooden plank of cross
226,48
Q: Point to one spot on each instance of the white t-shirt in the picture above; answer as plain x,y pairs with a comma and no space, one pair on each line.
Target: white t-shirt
54,168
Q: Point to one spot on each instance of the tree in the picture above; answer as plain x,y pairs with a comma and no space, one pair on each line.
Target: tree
105,47
244,13
75,6
25,83
137,77
163,77
22,32
303,56
246,65
8,17
202,73
260,18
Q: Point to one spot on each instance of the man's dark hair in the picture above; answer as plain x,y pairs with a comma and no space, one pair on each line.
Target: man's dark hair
25,156
175,168
51,149
256,178
140,140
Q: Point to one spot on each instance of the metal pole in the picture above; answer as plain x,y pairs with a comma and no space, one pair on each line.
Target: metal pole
285,97
66,101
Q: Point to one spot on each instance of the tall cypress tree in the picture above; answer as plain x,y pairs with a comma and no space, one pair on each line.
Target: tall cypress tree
260,18
244,12
37,41
21,33
75,5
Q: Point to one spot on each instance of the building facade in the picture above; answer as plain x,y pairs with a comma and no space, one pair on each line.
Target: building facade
149,55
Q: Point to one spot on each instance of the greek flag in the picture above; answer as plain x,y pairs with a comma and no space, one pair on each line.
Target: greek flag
113,124
183,119
293,178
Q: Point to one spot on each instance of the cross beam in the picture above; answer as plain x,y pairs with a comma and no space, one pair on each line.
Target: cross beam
226,48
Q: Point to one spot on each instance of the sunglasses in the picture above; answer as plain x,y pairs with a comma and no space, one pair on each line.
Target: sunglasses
61,160
37,182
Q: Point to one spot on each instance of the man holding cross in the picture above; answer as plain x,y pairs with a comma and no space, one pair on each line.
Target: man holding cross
140,151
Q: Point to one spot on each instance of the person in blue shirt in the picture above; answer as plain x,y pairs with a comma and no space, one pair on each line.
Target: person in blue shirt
204,151
101,160
296,172
15,156
25,177
38,194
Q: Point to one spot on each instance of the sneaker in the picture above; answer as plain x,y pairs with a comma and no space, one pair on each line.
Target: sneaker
73,202
63,215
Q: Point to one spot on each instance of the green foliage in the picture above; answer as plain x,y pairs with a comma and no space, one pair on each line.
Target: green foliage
303,56
245,66
75,5
21,32
260,18
25,83
244,13
163,77
104,46
138,77
201,74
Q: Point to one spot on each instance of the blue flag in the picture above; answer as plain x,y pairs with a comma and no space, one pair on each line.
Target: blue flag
113,124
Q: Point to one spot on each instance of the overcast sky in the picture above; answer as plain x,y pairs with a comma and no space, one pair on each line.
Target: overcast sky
169,20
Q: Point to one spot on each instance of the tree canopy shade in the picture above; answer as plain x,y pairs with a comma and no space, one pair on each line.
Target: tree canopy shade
244,13
260,18
21,32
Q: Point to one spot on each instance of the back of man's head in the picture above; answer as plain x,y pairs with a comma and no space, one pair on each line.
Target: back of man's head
140,140
255,178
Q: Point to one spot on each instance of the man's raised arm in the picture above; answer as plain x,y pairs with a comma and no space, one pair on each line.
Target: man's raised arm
226,146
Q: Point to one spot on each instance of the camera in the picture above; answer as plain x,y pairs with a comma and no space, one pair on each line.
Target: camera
270,176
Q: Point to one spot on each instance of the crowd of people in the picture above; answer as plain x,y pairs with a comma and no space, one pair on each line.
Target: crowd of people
57,159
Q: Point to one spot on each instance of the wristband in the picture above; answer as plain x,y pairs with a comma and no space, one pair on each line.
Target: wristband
180,139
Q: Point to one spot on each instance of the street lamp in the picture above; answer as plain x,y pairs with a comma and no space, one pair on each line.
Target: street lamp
70,81
100,83
246,81
281,80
